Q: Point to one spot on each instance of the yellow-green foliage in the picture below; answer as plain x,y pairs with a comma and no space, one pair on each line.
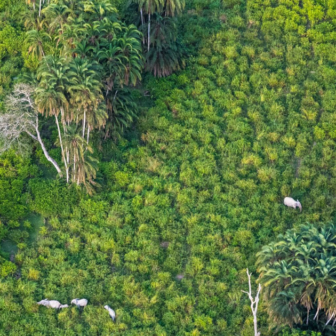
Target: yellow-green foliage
251,120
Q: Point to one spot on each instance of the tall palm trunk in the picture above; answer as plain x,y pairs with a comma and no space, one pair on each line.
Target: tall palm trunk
142,25
149,22
84,120
88,135
74,169
62,149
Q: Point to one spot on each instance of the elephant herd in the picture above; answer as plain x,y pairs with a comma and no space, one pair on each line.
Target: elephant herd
288,201
78,302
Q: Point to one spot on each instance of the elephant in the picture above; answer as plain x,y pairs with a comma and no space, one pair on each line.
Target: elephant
290,202
50,303
80,302
111,312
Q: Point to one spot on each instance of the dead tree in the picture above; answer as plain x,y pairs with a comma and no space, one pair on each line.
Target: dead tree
254,303
22,117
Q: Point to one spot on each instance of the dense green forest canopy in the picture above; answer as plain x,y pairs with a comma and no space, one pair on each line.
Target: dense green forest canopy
186,194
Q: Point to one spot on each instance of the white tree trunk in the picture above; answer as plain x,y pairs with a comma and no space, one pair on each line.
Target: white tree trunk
254,303
45,152
149,23
332,315
74,169
40,7
63,154
88,135
22,117
142,25
84,120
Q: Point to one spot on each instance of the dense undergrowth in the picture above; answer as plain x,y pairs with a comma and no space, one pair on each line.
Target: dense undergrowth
250,120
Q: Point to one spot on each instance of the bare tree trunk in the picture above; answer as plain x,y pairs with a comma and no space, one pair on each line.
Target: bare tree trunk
254,303
318,310
62,149
142,25
88,135
45,152
78,176
330,318
42,51
40,7
84,123
149,22
74,169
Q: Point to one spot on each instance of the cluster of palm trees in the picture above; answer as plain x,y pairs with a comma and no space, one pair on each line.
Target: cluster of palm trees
298,274
157,21
88,59
70,91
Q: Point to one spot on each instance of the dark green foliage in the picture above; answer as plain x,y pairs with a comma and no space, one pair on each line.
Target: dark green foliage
11,39
156,20
48,197
166,54
299,333
14,173
298,276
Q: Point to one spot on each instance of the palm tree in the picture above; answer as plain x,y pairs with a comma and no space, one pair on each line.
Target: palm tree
51,96
112,61
68,39
54,71
173,7
166,54
299,276
122,111
149,7
34,21
75,145
129,44
87,170
57,15
162,61
164,30
28,2
83,49
85,93
79,156
122,59
36,39
140,6
284,309
98,10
